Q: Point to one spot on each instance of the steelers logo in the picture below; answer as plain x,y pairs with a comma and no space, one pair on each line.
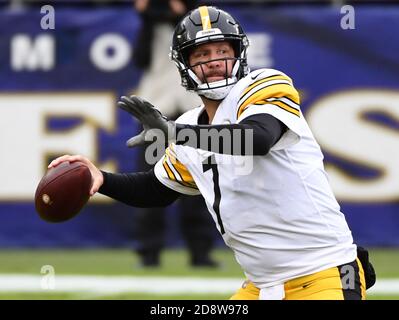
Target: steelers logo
46,199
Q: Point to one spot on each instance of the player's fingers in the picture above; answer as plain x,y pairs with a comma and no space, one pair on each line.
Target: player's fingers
131,102
137,103
136,140
129,109
68,158
97,182
59,160
143,107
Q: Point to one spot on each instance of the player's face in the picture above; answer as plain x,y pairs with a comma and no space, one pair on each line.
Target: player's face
212,61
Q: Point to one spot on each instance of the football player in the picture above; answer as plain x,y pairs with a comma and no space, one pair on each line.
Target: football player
279,215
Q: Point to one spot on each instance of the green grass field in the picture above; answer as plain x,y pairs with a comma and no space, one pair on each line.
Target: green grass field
116,262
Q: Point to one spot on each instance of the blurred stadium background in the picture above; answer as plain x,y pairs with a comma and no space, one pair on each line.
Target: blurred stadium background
58,93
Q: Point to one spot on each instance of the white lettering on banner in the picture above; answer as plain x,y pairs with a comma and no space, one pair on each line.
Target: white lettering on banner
25,140
260,51
110,52
32,54
338,124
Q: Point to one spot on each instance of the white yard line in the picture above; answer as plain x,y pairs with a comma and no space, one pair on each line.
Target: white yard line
117,284
145,284
385,286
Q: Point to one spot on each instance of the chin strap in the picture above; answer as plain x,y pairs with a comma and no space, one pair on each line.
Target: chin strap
217,90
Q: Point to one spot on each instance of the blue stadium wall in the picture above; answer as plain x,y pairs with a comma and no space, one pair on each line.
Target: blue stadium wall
348,79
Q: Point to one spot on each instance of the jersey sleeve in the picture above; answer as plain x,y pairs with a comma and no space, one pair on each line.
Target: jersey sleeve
173,174
275,95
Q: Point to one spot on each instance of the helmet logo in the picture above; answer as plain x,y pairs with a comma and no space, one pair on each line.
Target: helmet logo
213,33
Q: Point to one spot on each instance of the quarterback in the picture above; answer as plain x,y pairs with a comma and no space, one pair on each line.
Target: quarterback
280,218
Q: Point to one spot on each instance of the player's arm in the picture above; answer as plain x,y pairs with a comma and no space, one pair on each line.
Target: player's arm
158,187
139,189
264,130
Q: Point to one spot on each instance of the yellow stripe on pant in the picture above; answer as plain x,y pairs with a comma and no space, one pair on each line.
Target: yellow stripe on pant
323,285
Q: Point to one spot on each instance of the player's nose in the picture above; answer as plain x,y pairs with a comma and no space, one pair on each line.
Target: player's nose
214,64
214,60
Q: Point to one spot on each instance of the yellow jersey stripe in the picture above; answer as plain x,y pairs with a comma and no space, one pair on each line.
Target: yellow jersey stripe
173,177
362,280
279,104
176,167
284,106
271,90
170,156
183,173
285,100
276,90
168,171
275,77
205,19
288,102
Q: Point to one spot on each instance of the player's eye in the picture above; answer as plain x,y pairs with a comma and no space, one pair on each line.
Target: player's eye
200,54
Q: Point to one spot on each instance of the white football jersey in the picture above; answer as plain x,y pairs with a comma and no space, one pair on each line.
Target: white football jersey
277,212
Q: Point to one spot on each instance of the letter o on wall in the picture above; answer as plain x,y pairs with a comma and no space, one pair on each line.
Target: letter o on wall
110,52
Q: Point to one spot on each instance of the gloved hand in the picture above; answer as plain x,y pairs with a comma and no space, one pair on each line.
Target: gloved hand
150,117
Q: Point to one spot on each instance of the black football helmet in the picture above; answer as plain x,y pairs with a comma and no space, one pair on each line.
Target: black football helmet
203,25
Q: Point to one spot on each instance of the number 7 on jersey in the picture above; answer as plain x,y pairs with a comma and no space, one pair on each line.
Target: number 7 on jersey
207,164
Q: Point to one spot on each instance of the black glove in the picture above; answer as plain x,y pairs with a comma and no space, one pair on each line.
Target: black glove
151,118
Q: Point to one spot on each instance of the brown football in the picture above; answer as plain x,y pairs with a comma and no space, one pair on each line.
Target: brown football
63,191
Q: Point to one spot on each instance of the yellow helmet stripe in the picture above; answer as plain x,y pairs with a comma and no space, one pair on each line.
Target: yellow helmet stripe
205,19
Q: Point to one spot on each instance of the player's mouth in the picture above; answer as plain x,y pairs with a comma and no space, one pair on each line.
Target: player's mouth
214,78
